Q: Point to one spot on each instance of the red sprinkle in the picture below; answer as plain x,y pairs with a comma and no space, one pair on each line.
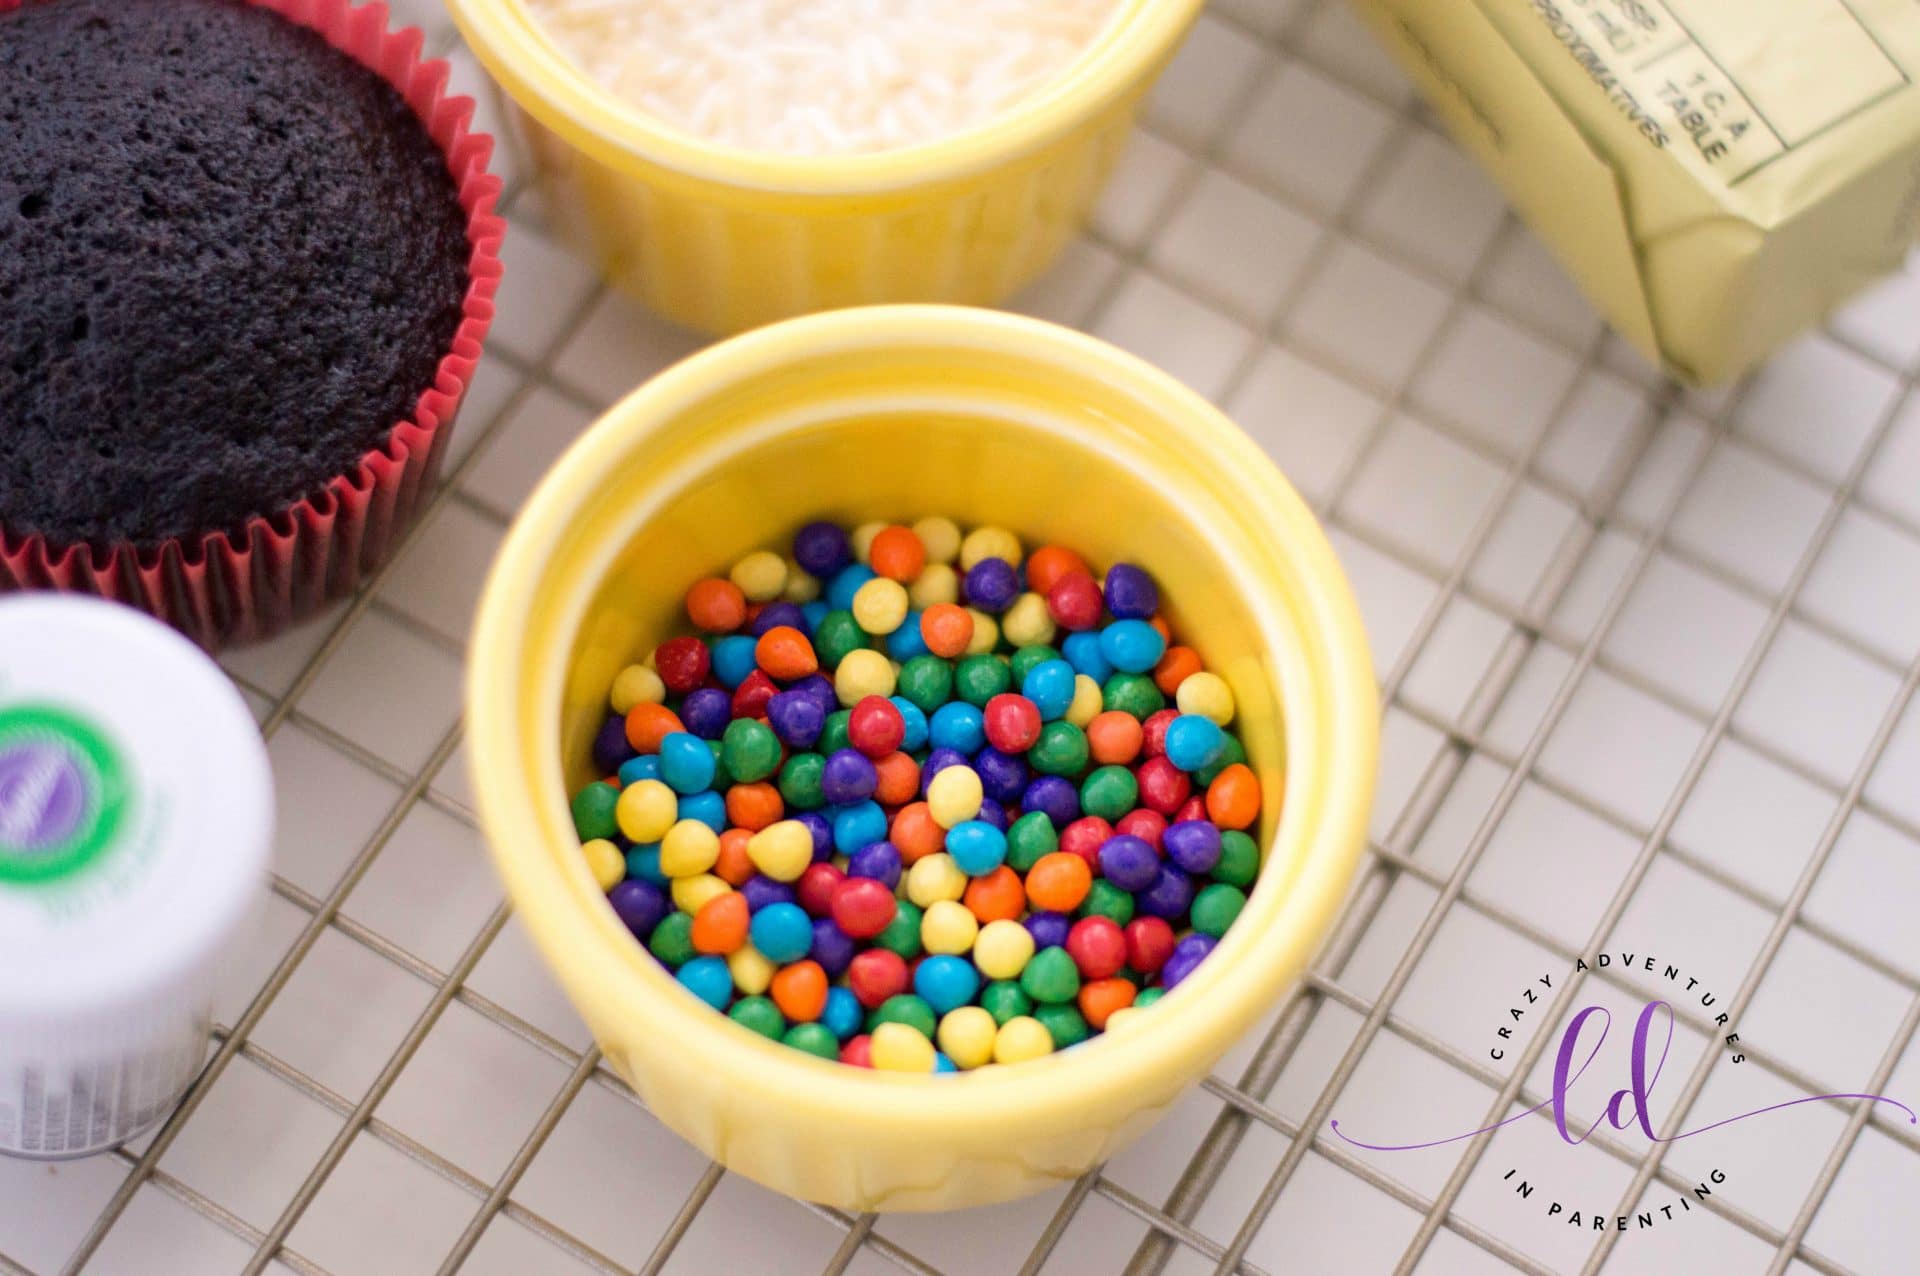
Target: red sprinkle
1075,602
682,664
863,906
1149,944
814,890
751,696
1012,721
875,727
1163,786
1097,947
875,975
1146,825
1084,837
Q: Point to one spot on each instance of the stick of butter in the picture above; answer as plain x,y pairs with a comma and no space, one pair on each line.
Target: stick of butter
1716,174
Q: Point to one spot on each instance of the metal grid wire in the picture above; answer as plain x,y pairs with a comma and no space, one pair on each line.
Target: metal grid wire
1169,1223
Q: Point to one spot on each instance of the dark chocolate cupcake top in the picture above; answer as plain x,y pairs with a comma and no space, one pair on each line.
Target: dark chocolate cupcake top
231,260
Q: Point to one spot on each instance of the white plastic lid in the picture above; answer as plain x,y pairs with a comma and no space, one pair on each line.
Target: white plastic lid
136,811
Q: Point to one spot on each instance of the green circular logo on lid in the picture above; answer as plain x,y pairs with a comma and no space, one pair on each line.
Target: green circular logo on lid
63,793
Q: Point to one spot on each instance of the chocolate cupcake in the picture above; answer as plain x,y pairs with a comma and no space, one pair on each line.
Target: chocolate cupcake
246,261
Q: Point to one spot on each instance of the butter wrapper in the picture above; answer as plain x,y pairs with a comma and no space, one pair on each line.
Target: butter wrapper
1716,174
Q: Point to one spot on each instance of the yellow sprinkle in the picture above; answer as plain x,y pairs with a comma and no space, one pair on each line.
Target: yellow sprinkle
1088,700
967,1034
690,894
782,851
751,971
954,796
861,674
1208,695
948,926
898,1048
862,539
1028,622
986,633
689,847
1119,1019
761,575
936,584
934,879
941,536
802,585
1021,1038
983,543
646,810
1002,949
605,862
636,684
880,605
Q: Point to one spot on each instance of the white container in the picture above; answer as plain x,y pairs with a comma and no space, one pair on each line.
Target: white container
136,814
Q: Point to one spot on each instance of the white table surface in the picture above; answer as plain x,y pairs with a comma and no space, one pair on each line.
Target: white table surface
1648,659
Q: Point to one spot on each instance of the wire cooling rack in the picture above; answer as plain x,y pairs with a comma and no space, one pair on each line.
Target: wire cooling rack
1648,660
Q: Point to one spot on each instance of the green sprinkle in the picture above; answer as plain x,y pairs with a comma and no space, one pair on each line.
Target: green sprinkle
926,681
907,1008
800,782
759,1014
1005,999
836,635
1051,977
1064,1024
902,934
1239,859
1027,657
749,750
593,811
1133,694
1105,899
1216,907
1110,792
672,940
1030,837
1060,750
980,678
833,735
813,1038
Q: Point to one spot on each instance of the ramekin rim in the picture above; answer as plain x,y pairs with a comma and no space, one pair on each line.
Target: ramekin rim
564,98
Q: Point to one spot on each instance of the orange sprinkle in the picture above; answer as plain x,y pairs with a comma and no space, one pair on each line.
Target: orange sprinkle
785,653
897,553
899,779
1059,881
914,834
721,924
946,628
734,866
649,724
1175,667
1114,738
754,806
1049,563
1100,998
800,990
716,605
996,896
1233,799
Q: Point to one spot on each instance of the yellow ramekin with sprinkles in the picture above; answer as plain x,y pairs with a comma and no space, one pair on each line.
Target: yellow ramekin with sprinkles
722,238
870,414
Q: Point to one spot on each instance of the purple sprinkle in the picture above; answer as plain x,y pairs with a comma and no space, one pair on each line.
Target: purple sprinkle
1131,594
991,812
1187,955
761,891
820,688
992,585
848,777
1003,776
832,947
1054,795
610,746
639,904
822,830
1192,844
878,860
938,761
1049,930
1170,895
1129,862
796,718
706,712
822,548
774,615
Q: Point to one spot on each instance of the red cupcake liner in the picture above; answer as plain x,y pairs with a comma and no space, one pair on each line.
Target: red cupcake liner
228,587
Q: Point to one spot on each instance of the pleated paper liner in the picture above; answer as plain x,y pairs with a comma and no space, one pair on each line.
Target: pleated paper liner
227,587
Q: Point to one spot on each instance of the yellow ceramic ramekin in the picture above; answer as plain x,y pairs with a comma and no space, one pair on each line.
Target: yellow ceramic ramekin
724,239
895,412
